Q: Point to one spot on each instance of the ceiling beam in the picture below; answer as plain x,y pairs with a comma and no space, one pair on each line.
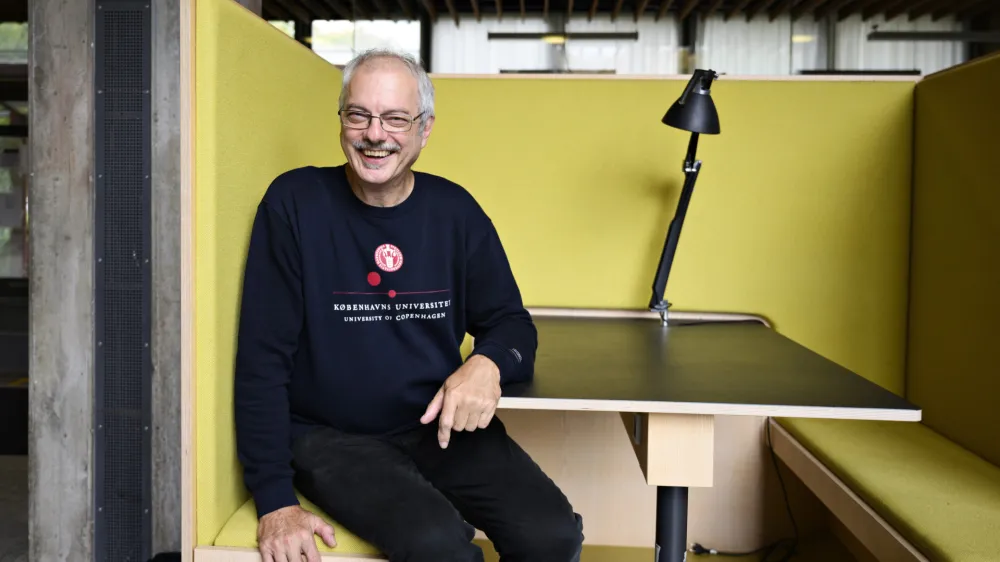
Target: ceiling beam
383,9
340,8
757,7
430,9
962,9
475,10
274,11
639,10
878,8
617,8
317,11
404,5
687,9
451,10
778,9
921,10
831,7
900,9
739,7
664,6
853,8
804,8
297,12
712,8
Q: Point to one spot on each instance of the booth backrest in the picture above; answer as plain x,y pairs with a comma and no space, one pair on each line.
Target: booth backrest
264,104
953,367
801,212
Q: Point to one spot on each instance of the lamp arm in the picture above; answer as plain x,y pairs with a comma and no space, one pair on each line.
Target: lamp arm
658,302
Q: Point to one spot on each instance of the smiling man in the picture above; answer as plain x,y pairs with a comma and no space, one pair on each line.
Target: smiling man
361,282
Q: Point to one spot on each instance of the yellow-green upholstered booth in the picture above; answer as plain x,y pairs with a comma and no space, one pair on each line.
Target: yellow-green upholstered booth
801,214
935,484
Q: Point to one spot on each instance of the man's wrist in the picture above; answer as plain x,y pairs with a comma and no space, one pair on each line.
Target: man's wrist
485,362
495,354
274,496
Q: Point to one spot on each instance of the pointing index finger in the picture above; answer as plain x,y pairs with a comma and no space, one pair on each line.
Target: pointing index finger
447,419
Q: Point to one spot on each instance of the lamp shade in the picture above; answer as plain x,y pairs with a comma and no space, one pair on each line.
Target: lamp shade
695,111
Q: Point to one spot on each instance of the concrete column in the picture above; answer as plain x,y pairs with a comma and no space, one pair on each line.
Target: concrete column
166,281
61,199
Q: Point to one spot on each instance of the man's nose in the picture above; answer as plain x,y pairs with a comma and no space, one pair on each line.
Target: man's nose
375,132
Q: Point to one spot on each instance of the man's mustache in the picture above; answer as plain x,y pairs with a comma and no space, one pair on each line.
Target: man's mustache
362,145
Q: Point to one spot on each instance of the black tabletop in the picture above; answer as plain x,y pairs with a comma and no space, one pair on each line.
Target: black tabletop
639,365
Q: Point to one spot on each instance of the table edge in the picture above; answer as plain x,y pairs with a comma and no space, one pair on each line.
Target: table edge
708,408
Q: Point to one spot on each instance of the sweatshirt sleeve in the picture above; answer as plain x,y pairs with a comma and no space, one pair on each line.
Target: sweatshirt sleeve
495,316
270,322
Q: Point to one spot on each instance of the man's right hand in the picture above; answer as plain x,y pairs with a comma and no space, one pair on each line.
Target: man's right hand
286,535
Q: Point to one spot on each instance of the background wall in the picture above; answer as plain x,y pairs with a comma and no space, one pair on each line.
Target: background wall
952,371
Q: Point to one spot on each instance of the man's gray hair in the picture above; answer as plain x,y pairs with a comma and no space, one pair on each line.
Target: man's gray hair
424,85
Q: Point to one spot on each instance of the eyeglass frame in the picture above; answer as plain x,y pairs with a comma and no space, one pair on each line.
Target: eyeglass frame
372,116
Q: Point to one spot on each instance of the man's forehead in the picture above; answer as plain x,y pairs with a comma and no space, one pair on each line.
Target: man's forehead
382,66
401,97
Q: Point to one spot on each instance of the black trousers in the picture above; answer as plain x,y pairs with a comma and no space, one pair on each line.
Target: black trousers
417,502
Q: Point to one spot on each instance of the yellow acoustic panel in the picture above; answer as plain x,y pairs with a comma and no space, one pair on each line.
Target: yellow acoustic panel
800,212
954,360
264,104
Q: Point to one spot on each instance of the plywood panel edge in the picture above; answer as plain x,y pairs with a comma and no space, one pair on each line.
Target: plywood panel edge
187,133
684,77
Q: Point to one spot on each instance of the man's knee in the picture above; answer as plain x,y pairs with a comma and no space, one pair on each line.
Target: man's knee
435,541
555,539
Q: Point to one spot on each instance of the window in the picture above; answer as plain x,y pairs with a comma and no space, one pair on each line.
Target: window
338,41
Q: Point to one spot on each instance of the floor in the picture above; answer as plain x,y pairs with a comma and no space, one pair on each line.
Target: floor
13,508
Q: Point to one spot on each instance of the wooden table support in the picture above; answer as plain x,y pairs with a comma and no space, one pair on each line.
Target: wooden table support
675,452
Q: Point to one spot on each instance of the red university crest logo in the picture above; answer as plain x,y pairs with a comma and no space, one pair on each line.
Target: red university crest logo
388,257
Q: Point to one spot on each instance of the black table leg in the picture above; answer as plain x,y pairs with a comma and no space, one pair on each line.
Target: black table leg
671,523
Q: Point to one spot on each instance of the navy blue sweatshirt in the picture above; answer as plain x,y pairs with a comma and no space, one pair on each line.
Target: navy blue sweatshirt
352,315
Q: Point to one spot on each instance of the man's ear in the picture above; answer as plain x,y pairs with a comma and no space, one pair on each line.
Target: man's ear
426,133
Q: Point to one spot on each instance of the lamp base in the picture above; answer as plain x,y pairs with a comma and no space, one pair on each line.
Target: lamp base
663,308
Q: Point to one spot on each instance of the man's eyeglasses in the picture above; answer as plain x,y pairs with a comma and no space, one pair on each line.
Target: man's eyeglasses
391,122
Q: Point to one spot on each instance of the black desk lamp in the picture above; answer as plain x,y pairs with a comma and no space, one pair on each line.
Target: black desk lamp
694,111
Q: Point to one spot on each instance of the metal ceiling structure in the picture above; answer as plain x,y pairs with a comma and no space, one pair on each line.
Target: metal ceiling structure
983,15
304,11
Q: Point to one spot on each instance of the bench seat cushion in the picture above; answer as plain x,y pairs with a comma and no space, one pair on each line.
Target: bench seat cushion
942,498
241,531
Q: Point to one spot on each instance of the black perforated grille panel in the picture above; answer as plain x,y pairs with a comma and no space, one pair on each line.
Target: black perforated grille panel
122,233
